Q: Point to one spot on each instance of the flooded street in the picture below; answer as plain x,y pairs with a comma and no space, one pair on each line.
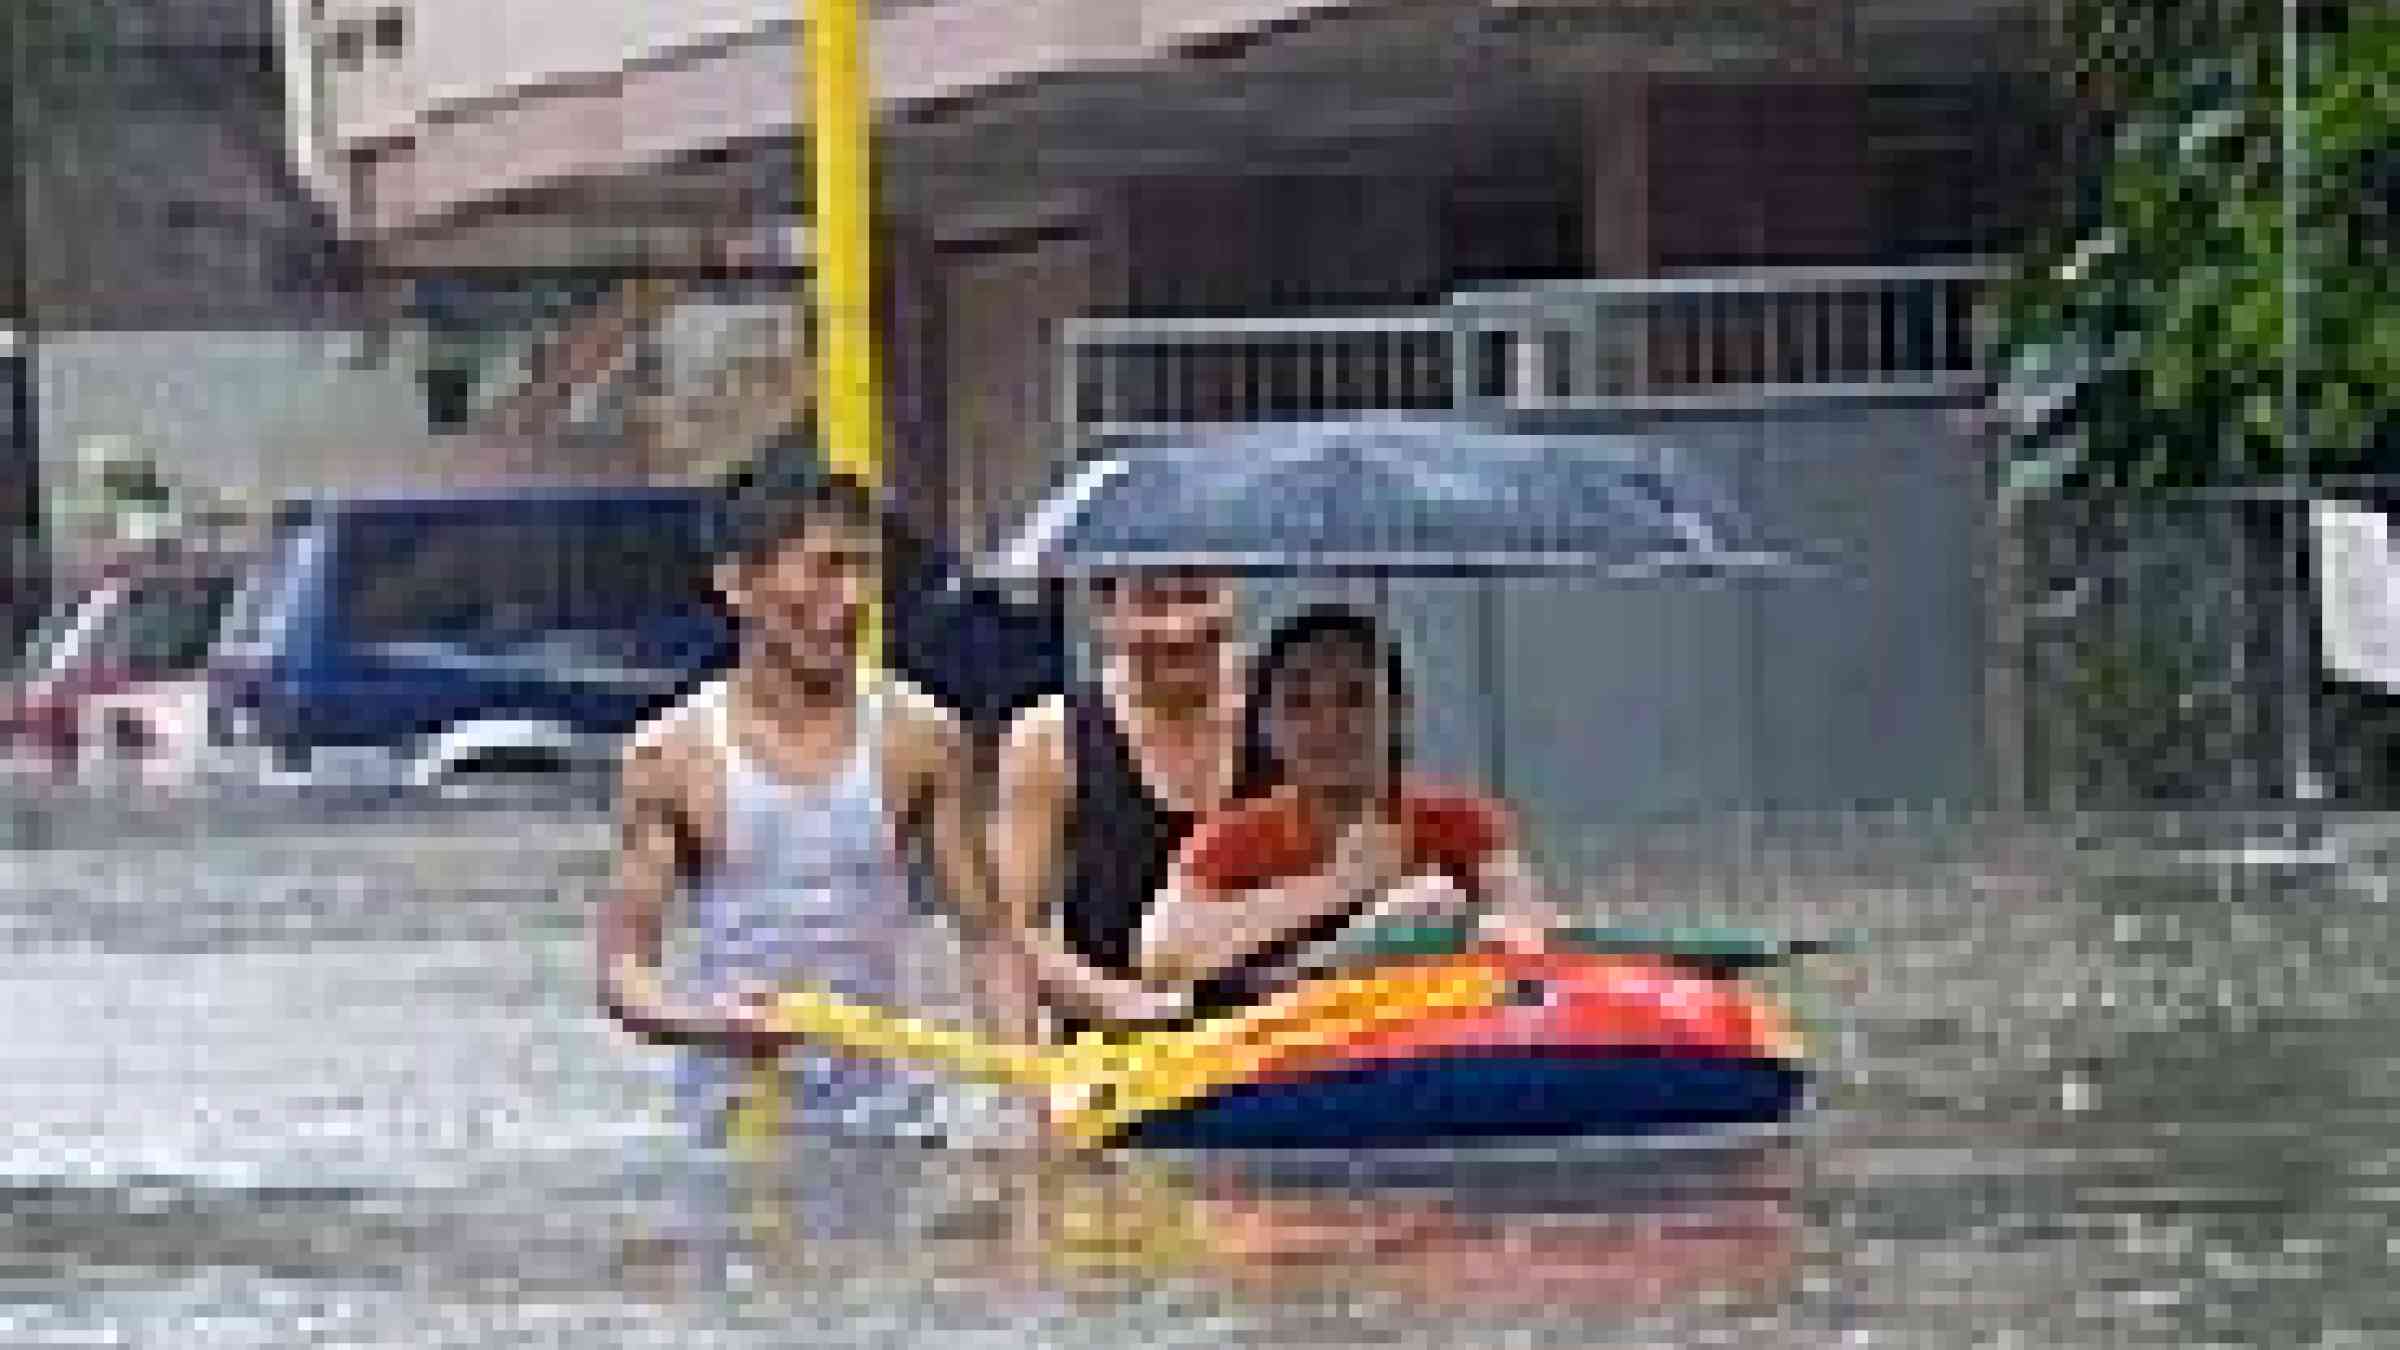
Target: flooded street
342,1084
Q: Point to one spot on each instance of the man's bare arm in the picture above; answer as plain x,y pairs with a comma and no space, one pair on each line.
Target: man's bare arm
943,767
1030,801
653,842
1033,796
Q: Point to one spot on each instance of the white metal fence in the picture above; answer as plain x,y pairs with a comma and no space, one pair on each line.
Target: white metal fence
1723,341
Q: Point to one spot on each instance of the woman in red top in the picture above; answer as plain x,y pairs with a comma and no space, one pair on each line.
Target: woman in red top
1326,828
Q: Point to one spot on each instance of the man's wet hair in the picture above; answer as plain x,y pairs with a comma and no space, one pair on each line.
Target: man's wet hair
1108,587
766,508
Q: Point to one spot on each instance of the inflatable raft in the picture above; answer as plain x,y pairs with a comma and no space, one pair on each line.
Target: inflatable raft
1418,1050
1561,1045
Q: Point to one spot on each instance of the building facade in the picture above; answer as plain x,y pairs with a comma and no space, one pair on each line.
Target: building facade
1719,224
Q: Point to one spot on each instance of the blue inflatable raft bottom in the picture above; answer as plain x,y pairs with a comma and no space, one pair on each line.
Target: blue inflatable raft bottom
1470,1098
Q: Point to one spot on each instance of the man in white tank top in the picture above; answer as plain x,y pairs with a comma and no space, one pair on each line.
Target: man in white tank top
778,806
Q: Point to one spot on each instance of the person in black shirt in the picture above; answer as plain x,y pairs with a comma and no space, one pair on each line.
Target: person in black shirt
1097,787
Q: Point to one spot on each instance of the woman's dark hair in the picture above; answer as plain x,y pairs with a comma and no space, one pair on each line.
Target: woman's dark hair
1258,772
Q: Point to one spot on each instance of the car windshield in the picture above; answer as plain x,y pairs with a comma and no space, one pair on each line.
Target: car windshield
503,580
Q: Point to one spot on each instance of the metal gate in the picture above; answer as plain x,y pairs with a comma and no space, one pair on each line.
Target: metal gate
1723,342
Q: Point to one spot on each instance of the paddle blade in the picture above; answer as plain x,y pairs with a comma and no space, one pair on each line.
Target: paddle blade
1727,950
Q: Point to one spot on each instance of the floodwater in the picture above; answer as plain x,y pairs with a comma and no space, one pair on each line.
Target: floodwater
341,1083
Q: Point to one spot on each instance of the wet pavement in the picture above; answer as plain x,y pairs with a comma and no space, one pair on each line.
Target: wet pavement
272,1078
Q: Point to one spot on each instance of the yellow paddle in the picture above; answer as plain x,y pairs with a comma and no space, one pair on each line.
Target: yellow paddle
1097,1087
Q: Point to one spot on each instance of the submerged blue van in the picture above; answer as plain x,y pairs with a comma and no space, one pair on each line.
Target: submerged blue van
427,635
429,628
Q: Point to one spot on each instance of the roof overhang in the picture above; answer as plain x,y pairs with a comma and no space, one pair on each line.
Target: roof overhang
978,94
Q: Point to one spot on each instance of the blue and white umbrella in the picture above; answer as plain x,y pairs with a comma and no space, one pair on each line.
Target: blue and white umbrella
1387,496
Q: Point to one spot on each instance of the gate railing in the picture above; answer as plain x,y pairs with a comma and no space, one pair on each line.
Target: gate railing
1720,341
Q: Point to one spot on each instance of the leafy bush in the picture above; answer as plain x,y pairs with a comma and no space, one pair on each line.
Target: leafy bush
2166,285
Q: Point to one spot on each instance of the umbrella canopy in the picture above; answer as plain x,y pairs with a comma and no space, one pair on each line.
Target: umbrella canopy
1386,496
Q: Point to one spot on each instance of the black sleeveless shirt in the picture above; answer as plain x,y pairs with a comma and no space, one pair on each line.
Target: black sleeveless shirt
1120,842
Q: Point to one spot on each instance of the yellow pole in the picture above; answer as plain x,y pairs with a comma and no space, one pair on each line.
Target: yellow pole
841,156
832,61
843,202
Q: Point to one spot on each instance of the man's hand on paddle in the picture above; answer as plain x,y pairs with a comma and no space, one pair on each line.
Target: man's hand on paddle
742,1022
1131,1003
739,1022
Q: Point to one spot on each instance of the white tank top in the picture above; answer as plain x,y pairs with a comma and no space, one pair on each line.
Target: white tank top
809,883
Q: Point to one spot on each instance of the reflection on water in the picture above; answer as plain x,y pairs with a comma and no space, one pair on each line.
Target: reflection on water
1617,1234
1617,1231
347,1088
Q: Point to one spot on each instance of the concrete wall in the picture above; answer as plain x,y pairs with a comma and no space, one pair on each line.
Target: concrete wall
270,413
1859,688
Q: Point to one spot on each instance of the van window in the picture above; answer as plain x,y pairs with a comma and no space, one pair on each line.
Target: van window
165,627
256,610
501,579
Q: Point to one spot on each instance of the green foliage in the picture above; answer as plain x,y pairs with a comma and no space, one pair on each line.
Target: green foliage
2137,708
2171,277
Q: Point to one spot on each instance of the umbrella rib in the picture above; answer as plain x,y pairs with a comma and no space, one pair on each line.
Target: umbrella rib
1697,532
1055,515
1531,560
